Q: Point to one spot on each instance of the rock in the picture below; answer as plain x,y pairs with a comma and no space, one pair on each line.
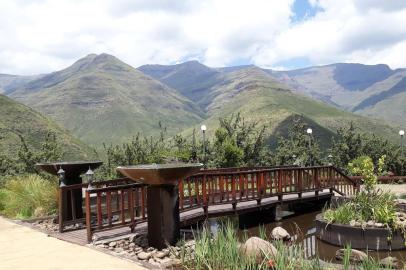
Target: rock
370,223
379,225
150,249
144,255
133,237
279,233
389,262
257,247
131,245
356,256
357,224
352,223
161,254
112,244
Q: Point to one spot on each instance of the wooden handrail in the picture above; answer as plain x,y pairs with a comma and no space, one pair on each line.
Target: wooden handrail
127,199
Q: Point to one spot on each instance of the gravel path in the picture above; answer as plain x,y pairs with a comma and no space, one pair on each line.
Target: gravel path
24,248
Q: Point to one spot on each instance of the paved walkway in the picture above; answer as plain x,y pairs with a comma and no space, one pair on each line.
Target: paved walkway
398,189
24,248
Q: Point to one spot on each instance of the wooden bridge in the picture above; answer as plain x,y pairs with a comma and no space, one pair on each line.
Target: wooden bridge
119,205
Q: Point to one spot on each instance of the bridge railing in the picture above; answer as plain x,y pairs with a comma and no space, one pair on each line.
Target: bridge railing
116,206
68,216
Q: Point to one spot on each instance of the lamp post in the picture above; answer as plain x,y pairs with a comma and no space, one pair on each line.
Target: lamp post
294,159
203,129
61,176
89,175
310,131
401,134
330,159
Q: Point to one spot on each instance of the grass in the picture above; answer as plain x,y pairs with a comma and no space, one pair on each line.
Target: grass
28,196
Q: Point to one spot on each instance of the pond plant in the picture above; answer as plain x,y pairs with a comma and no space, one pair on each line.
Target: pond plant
371,206
222,250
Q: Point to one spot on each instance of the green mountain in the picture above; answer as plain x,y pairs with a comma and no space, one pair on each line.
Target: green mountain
101,99
260,97
19,120
372,90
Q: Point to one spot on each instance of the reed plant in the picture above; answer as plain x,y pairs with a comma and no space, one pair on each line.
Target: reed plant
28,196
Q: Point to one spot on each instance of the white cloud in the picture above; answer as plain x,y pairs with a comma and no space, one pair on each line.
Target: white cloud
44,35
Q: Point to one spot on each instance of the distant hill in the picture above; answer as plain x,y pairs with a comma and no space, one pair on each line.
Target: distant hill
101,99
261,97
33,127
372,90
9,83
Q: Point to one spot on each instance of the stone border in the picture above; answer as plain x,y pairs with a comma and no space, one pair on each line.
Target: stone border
359,238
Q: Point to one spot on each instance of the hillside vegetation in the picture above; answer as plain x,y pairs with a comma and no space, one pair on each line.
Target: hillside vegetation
18,121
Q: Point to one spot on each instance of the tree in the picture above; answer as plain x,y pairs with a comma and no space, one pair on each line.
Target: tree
238,143
347,146
295,148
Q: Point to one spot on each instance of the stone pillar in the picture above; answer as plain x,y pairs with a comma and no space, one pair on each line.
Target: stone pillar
163,215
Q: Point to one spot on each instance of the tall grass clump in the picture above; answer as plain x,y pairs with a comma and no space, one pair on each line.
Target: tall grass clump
219,251
28,196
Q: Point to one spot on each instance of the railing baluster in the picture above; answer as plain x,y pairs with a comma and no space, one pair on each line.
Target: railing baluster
108,204
99,211
122,209
181,195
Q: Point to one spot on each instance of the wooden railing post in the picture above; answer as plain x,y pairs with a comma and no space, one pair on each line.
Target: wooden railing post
88,216
61,203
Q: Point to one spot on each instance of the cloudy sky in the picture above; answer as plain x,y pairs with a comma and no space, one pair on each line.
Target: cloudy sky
38,36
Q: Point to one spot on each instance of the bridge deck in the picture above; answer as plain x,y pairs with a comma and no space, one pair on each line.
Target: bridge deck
194,215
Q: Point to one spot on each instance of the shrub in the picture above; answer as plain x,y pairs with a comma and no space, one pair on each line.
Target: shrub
27,196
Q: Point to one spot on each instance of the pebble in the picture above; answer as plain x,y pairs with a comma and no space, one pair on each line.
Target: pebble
143,255
112,244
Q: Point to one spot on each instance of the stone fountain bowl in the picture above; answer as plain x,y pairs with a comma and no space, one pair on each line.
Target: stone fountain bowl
70,167
160,174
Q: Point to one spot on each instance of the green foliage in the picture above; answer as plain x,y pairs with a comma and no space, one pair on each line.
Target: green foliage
28,195
298,148
19,122
238,143
350,144
365,167
370,203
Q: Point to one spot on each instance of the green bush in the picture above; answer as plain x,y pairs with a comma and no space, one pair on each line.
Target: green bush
28,196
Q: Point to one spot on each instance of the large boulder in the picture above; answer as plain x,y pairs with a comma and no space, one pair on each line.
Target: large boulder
356,256
279,233
258,248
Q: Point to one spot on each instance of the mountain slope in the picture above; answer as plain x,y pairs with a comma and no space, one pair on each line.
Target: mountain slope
9,83
354,87
191,79
17,118
101,99
262,98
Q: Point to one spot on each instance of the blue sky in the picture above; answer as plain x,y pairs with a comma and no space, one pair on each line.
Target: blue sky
46,35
